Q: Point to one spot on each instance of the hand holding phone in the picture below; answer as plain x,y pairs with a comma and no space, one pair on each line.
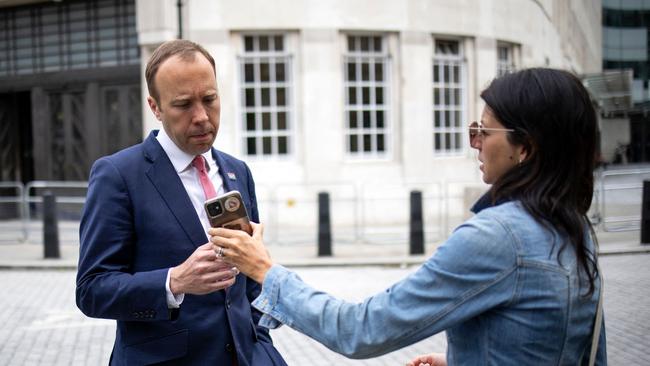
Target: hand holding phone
228,211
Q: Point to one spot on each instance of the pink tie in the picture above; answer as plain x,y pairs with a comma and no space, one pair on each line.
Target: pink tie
206,183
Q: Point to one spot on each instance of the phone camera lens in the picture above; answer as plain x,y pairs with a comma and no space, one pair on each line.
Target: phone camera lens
215,209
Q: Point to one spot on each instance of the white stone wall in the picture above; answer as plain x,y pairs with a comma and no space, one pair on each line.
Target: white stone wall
556,33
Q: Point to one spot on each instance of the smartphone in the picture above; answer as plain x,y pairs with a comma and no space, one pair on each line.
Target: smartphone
229,211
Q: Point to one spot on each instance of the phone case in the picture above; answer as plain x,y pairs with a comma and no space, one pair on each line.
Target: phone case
228,211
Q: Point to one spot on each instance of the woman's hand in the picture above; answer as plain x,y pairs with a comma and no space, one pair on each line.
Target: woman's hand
433,359
245,252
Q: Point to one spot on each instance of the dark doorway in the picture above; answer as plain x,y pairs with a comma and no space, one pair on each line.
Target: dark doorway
639,149
16,150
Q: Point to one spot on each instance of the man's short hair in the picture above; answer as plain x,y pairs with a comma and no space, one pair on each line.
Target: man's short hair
185,49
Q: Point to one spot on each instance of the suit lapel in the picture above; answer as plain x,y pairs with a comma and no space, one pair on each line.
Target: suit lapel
226,171
164,178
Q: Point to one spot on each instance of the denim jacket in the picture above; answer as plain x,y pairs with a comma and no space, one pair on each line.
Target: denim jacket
496,286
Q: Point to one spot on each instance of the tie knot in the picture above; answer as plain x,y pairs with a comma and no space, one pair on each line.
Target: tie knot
199,163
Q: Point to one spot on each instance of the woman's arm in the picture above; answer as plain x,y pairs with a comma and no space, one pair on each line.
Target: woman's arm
472,272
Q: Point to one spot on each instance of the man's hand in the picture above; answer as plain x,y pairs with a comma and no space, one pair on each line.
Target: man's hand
433,359
202,273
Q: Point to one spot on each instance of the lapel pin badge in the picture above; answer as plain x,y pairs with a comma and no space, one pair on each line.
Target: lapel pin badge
231,176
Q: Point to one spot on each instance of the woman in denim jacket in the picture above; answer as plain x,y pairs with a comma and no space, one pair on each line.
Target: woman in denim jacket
517,284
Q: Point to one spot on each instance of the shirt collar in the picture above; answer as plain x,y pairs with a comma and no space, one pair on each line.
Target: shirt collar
179,158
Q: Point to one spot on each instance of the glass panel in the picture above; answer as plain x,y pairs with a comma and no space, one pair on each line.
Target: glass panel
352,119
447,140
377,43
379,71
365,92
279,72
352,73
367,143
267,146
366,119
266,121
380,142
266,97
365,71
379,95
249,73
457,139
352,95
351,43
282,145
264,72
456,70
436,71
354,146
436,142
365,44
264,43
282,120
436,96
250,97
279,43
380,119
251,148
436,119
248,43
280,97
250,121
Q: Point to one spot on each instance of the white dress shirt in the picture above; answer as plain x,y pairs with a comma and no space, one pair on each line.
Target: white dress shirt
189,176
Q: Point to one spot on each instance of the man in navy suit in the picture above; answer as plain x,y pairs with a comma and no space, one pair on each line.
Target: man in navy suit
144,257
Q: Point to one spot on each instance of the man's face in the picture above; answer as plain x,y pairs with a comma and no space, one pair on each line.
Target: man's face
188,104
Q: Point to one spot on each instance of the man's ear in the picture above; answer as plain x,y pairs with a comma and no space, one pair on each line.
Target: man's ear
153,105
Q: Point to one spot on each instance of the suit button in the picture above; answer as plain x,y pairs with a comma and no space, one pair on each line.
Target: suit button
227,303
229,348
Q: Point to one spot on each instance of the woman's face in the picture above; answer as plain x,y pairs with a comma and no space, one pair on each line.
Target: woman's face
496,154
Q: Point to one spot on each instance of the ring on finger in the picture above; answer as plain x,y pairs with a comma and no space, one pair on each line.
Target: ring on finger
220,252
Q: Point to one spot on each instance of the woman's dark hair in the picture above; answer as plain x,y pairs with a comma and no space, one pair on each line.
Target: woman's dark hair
553,118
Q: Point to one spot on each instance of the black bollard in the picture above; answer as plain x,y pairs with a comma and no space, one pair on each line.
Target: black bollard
50,226
645,214
324,227
416,242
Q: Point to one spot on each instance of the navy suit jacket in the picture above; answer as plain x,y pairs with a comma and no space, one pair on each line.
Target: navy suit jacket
137,223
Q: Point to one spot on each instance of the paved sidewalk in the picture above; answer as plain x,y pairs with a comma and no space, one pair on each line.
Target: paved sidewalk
41,325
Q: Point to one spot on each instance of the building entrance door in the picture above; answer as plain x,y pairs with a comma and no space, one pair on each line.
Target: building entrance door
75,125
16,157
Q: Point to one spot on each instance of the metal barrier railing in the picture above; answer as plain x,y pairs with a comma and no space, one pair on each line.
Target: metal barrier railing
33,197
362,206
619,206
16,199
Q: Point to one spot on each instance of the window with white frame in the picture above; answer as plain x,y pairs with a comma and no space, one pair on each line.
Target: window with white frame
449,89
266,90
367,111
505,58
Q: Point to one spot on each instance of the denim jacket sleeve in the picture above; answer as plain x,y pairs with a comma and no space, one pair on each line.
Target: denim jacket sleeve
473,271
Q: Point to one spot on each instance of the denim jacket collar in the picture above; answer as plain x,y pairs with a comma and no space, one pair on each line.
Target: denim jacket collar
486,202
